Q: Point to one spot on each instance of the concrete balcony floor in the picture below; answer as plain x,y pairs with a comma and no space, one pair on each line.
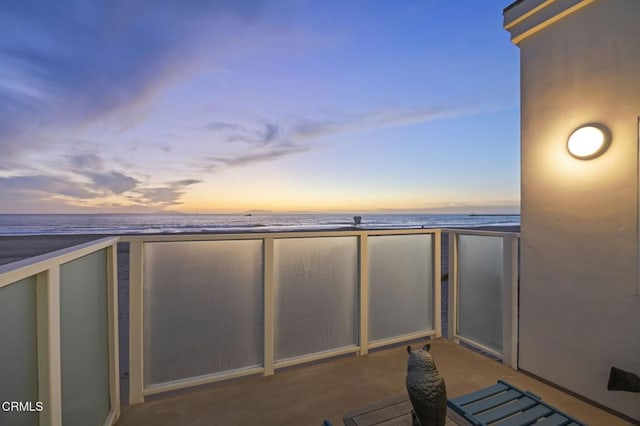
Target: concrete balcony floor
307,395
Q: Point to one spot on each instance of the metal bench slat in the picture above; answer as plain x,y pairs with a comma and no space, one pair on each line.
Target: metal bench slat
526,417
484,406
481,394
492,402
507,410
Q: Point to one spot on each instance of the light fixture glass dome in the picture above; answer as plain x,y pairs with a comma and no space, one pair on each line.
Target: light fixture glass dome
588,141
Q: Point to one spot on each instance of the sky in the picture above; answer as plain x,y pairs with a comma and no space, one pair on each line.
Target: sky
141,106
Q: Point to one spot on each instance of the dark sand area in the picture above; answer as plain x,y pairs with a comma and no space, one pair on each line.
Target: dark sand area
14,248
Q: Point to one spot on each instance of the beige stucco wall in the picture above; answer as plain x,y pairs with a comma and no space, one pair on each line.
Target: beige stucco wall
579,303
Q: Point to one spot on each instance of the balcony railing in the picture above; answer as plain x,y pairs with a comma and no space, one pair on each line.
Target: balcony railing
210,307
206,308
59,333
483,292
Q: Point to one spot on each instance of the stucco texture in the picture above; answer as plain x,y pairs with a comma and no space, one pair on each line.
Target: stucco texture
579,303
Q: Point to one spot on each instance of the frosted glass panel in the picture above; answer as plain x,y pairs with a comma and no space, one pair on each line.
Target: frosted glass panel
84,340
400,285
18,350
203,308
480,289
316,286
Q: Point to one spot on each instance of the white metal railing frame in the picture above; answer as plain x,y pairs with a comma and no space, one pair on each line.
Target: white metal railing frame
510,290
46,269
137,389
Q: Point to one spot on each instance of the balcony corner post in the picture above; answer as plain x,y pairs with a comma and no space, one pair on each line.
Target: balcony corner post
114,349
437,283
269,308
49,356
452,296
363,273
136,315
510,301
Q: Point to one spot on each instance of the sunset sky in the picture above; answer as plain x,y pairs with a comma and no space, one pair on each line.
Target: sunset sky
284,105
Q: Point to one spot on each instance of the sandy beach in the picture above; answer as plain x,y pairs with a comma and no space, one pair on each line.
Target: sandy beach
14,248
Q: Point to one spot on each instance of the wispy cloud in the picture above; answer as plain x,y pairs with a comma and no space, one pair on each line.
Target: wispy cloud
98,191
85,161
46,185
92,180
165,195
135,102
113,182
264,134
273,141
66,63
88,182
309,129
221,126
214,163
80,185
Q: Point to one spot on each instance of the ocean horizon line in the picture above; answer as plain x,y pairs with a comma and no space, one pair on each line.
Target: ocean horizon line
252,212
119,224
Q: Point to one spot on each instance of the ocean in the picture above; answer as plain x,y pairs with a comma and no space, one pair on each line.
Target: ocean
69,224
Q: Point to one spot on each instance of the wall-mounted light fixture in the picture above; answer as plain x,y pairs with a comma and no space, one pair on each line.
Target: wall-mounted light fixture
589,141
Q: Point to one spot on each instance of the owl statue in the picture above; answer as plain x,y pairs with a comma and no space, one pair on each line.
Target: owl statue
426,389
